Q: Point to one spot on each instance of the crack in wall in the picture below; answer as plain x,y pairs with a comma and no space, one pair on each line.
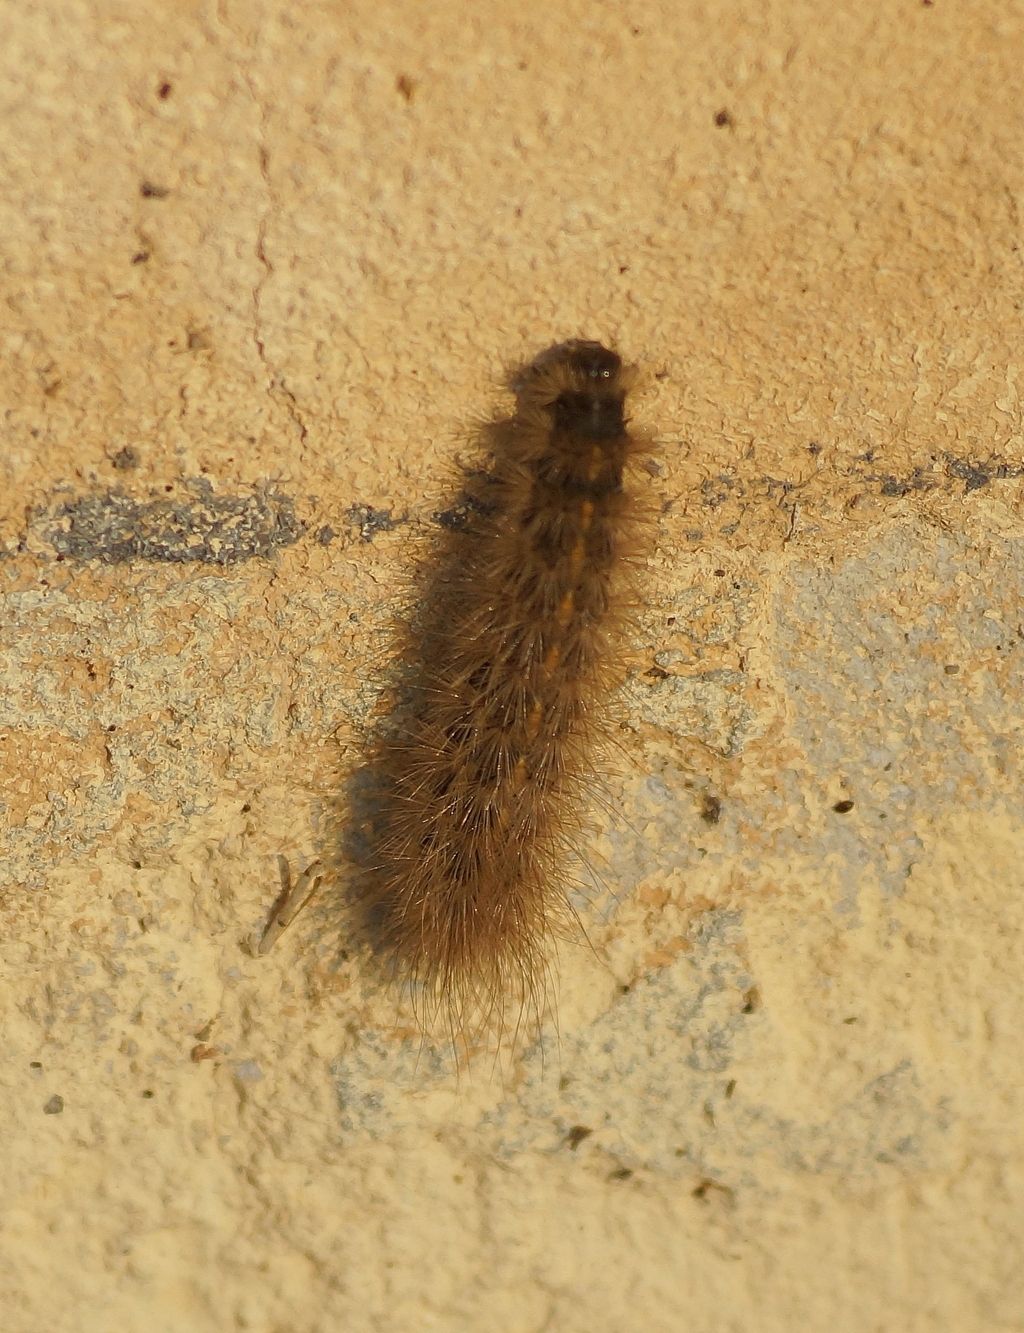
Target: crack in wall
276,384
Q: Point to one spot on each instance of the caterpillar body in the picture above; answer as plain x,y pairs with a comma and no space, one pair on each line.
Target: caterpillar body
485,784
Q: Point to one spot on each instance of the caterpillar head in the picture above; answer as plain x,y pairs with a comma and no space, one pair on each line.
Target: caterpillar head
581,385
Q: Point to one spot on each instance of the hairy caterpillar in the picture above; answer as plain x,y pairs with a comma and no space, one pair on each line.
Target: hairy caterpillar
484,785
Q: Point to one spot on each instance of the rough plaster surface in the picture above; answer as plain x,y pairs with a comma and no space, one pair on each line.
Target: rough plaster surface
262,265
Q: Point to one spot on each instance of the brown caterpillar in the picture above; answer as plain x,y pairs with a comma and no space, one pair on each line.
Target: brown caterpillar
484,786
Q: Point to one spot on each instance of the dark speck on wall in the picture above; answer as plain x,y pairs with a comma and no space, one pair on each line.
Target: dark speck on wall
370,521
711,808
576,1135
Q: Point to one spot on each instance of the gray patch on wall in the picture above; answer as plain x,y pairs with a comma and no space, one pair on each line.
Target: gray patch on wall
194,526
908,737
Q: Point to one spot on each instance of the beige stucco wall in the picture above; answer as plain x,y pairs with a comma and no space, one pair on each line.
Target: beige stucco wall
262,266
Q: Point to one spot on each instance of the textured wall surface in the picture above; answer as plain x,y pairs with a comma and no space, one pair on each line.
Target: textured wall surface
263,265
